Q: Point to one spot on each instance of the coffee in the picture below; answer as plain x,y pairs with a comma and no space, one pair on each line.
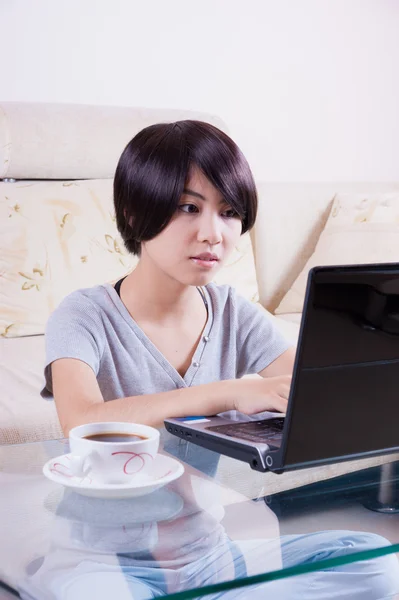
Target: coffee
114,436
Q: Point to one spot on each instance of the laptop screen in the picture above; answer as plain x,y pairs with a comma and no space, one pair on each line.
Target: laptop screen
346,396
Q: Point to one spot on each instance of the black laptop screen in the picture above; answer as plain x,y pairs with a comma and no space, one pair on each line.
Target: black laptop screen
347,381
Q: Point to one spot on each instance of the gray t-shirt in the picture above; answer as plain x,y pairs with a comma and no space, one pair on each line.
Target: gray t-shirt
94,326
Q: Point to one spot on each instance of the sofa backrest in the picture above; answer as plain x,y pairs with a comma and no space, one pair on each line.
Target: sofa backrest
70,141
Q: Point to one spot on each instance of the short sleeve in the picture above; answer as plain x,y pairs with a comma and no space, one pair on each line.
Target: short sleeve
259,342
72,331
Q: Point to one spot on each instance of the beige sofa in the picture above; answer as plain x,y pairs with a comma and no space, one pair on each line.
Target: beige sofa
57,233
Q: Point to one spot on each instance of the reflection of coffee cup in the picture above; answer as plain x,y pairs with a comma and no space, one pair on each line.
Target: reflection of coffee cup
112,452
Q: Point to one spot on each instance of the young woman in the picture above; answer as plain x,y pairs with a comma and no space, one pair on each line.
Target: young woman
165,342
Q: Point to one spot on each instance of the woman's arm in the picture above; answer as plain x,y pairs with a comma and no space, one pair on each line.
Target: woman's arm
283,365
79,400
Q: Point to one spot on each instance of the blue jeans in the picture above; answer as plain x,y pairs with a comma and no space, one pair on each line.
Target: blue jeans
373,579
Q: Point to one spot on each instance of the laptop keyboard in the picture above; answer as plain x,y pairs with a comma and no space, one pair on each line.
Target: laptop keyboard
265,431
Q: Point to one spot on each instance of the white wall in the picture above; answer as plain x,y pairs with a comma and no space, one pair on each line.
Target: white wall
309,88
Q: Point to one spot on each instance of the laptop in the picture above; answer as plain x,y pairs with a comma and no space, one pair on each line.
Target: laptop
344,397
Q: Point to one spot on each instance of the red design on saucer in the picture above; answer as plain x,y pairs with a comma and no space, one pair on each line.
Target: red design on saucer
57,468
139,464
166,474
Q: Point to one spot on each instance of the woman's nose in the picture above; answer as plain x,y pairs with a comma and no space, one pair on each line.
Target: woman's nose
210,230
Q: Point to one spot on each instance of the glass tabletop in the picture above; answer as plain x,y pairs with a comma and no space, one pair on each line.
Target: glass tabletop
192,537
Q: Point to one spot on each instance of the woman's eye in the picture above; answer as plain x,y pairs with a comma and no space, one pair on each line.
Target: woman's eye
188,208
230,213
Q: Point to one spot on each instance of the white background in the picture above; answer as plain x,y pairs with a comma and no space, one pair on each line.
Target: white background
309,88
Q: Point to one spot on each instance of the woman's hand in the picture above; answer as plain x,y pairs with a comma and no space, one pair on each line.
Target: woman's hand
257,395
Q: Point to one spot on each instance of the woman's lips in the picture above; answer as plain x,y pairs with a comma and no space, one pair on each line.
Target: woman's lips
206,264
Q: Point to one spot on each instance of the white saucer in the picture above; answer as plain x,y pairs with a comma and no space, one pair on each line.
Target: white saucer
164,469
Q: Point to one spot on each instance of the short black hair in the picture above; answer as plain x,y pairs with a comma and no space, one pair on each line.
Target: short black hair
153,170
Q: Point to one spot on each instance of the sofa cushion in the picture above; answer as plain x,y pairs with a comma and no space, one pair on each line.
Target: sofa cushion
291,317
59,236
55,237
360,229
24,415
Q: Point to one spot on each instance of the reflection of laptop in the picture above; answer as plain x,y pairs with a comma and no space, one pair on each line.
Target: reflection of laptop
344,397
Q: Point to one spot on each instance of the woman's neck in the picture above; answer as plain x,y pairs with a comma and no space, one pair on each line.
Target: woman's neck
150,294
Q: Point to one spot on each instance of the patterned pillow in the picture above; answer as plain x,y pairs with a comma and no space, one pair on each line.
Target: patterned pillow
361,228
59,236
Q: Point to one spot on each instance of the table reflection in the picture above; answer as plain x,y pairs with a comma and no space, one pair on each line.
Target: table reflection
189,535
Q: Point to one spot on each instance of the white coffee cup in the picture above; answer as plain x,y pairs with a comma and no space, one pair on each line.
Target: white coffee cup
108,458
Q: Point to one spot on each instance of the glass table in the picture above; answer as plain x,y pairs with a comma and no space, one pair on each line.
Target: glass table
192,538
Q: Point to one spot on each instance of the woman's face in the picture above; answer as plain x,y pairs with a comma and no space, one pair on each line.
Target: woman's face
200,236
